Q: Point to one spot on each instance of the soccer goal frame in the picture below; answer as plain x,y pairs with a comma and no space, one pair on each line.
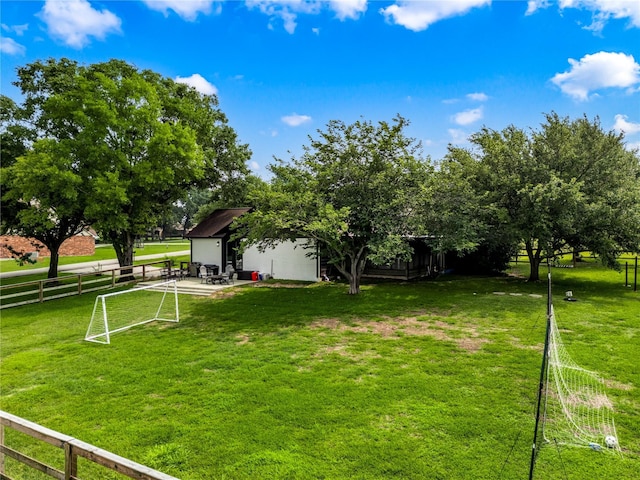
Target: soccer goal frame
133,310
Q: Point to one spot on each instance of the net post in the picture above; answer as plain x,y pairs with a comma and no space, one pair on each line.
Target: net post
175,296
105,320
626,274
543,369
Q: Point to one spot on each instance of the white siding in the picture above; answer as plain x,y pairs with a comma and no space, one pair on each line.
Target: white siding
285,261
206,251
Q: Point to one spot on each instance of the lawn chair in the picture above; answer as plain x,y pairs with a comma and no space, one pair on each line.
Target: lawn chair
227,277
204,275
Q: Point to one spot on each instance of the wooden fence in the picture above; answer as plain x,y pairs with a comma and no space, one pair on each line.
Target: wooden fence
38,291
72,449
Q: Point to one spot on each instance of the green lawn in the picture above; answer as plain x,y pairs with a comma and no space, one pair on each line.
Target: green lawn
103,252
427,380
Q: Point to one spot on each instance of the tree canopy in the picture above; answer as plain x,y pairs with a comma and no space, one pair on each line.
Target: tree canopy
354,191
568,186
137,140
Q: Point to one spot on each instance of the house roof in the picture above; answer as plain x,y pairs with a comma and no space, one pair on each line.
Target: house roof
217,224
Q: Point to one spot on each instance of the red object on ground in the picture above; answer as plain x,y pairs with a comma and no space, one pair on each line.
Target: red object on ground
254,276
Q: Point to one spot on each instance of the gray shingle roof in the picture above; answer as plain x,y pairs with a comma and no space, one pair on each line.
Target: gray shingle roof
217,224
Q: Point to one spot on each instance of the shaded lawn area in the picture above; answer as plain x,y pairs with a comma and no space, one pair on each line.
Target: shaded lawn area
431,379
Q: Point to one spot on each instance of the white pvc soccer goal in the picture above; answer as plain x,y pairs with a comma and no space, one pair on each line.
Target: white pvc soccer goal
115,312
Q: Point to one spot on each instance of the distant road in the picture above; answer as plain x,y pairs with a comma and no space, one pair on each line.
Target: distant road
91,266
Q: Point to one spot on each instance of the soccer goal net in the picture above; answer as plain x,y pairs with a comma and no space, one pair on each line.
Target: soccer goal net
577,409
118,311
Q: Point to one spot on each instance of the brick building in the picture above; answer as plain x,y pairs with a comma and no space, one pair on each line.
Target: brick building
82,244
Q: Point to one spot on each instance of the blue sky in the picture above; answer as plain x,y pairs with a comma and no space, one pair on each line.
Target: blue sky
283,69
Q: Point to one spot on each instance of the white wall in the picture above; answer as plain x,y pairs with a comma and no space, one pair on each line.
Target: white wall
285,261
207,251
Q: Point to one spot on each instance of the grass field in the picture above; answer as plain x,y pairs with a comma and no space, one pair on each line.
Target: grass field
427,380
103,252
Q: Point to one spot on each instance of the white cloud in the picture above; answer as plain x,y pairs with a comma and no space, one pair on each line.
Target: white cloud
478,97
468,116
419,16
457,135
198,82
348,8
622,125
596,71
254,166
74,21
11,47
288,10
186,9
17,29
633,146
295,120
602,10
533,5
285,10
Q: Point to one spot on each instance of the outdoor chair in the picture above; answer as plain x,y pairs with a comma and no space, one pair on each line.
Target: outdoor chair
204,275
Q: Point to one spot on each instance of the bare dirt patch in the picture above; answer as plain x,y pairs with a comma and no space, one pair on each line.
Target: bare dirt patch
224,293
618,385
515,341
330,323
467,339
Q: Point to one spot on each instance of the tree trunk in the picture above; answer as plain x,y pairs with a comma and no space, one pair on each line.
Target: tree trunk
54,260
353,273
354,284
123,245
534,261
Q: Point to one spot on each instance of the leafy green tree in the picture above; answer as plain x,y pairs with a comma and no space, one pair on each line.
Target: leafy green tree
13,144
140,140
47,186
569,185
354,191
184,211
607,174
42,184
234,193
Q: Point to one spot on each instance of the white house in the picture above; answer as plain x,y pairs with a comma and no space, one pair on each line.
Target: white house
211,244
287,260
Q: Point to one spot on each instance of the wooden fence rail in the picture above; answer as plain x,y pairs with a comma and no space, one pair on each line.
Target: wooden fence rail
38,291
72,449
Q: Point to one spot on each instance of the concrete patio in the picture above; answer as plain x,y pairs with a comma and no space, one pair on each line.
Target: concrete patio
195,286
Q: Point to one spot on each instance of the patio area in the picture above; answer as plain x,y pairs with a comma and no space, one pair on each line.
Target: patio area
195,285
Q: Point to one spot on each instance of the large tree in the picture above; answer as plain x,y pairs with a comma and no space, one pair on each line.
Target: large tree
568,186
43,189
355,191
48,193
142,141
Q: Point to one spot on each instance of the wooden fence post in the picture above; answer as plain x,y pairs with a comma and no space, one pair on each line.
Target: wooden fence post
70,462
41,291
2,445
